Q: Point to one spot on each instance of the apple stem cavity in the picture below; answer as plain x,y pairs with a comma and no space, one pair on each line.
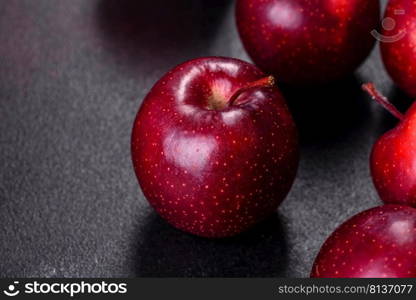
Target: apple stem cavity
263,82
382,100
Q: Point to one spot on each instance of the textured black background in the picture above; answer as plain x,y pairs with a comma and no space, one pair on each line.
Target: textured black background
72,76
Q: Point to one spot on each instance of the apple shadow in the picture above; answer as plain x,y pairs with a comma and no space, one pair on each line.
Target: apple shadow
326,114
168,252
158,32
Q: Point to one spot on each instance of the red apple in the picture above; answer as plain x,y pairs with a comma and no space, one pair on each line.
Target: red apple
393,158
214,147
308,41
399,43
379,242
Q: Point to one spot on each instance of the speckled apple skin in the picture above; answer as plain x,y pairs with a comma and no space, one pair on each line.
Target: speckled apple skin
400,57
214,173
304,42
377,243
393,162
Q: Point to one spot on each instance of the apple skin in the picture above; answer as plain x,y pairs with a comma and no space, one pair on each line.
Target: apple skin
399,57
304,42
377,243
210,167
393,162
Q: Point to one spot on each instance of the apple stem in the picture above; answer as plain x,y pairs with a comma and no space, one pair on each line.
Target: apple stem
382,100
264,82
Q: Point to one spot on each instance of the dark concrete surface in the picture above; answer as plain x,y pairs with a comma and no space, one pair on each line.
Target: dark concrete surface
72,76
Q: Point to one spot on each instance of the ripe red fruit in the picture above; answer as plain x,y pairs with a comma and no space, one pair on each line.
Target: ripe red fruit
393,158
398,48
308,41
214,147
379,242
